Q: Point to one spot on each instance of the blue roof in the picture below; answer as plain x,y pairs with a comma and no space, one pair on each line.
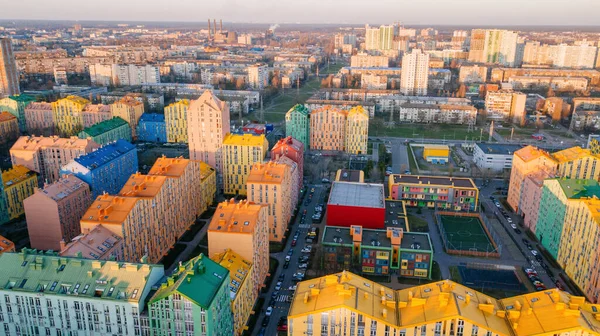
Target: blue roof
105,154
152,117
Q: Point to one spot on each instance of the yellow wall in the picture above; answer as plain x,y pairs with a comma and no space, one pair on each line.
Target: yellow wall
68,114
585,167
208,185
357,131
129,110
435,152
240,152
18,190
176,121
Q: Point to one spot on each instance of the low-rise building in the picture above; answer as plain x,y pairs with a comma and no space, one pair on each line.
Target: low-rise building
107,131
473,74
240,152
489,157
352,203
436,154
543,82
152,128
438,192
436,113
347,175
368,61
18,184
9,127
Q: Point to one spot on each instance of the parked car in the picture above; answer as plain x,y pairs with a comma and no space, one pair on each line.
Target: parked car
274,294
288,258
539,258
530,271
282,324
303,259
294,242
281,277
517,231
278,286
269,311
309,240
303,266
525,241
292,288
290,252
286,264
266,321
307,249
534,252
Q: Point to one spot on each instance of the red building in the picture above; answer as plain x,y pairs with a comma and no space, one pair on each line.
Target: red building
254,129
352,203
293,149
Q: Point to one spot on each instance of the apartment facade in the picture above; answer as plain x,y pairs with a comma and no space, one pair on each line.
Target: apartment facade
68,114
152,128
9,76
242,227
494,46
208,186
53,213
473,74
176,121
533,187
446,193
9,127
16,105
39,119
506,104
18,184
357,131
577,163
328,129
108,131
297,124
415,72
369,61
240,152
258,76
130,110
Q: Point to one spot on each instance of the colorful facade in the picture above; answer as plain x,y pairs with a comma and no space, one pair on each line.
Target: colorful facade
107,131
532,194
577,163
293,149
295,177
242,227
270,184
39,119
130,110
208,184
446,193
9,127
328,129
297,124
207,126
240,152
86,244
152,128
68,114
94,114
241,287
436,154
195,300
106,169
357,131
53,213
345,303
18,184
16,106
176,121
377,252
6,245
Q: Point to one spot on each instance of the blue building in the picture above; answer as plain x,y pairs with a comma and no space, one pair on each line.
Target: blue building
107,169
152,128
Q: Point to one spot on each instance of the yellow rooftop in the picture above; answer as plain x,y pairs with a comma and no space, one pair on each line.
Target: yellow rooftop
183,102
271,172
238,269
235,217
529,153
358,110
205,170
245,140
140,185
571,154
73,99
171,167
16,175
107,209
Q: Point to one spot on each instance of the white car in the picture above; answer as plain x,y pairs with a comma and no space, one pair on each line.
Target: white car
534,252
513,226
292,288
508,219
269,311
278,286
288,258
302,266
307,249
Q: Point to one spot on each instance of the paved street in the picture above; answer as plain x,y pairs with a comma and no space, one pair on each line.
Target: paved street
399,157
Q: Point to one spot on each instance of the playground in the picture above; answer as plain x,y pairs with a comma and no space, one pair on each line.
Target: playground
466,234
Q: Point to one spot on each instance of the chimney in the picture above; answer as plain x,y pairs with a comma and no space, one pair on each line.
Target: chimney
215,26
62,244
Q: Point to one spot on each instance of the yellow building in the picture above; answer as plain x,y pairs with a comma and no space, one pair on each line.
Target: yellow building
577,163
328,129
242,227
346,304
19,183
6,245
208,184
241,288
271,184
176,121
240,152
9,127
437,154
68,115
357,131
130,110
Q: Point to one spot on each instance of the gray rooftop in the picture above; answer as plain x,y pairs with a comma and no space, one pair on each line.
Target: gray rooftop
415,241
498,149
377,238
434,180
367,195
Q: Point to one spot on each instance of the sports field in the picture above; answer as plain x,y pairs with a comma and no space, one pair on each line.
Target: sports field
487,278
466,234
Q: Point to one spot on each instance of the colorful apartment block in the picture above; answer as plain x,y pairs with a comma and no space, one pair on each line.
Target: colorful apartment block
86,244
16,106
295,178
130,110
105,169
328,129
39,119
357,131
60,295
446,193
270,184
152,128
107,131
240,152
532,194
347,304
195,300
297,124
18,184
577,163
293,149
526,160
241,287
53,213
9,127
207,126
242,227
377,252
94,114
208,185
68,114
6,245
176,121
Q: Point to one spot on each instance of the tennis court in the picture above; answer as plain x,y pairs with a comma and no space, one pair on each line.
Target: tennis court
465,233
477,278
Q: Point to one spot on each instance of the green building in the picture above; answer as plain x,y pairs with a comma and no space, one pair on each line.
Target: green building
195,300
108,131
16,106
297,124
553,206
377,252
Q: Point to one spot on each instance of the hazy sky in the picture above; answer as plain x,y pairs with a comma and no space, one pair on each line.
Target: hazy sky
465,12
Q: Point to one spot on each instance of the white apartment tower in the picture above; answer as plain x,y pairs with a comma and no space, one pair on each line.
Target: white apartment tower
415,68
258,76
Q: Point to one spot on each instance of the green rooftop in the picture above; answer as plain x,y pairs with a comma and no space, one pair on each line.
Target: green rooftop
198,280
300,108
103,127
46,272
576,189
23,98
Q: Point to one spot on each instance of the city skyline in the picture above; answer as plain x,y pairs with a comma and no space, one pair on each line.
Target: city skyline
495,12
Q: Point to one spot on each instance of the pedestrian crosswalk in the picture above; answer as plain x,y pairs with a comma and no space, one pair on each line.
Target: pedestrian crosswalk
282,298
304,226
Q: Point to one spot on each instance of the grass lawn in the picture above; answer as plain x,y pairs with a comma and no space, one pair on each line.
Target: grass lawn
417,224
429,131
411,160
519,133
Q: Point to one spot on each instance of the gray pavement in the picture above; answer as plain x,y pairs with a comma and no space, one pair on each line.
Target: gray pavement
399,157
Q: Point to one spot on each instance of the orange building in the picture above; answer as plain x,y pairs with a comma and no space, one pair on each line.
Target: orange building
328,129
9,127
130,110
243,228
53,213
270,184
6,245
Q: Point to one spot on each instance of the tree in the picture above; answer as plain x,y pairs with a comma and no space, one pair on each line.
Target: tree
462,91
240,83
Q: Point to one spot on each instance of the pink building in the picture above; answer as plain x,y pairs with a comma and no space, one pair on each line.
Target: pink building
53,213
295,176
46,155
293,149
40,119
93,114
207,124
532,193
95,243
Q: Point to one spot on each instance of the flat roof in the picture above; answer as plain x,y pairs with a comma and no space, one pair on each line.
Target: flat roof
16,175
498,149
63,187
103,127
369,195
434,180
105,154
350,175
416,241
152,117
238,217
238,269
6,116
375,238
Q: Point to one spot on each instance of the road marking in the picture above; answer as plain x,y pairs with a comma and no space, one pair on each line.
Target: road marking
282,298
